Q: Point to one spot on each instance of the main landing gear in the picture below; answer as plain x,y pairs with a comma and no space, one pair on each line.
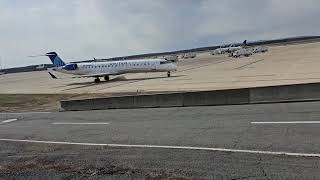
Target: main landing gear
106,78
168,74
97,79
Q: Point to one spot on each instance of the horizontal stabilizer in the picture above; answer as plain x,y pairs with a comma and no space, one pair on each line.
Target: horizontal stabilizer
52,75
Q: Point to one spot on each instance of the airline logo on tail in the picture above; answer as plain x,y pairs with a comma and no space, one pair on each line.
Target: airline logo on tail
55,59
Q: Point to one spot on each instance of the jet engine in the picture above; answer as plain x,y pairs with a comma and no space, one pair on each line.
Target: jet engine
70,67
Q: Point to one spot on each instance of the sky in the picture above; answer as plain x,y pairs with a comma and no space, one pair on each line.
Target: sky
83,29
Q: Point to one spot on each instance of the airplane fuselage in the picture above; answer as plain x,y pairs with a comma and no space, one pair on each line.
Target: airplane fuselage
118,67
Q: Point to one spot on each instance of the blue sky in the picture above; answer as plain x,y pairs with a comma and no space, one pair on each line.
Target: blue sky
82,29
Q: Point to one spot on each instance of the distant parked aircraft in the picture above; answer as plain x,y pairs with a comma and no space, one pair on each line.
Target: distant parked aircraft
232,48
229,49
242,52
189,55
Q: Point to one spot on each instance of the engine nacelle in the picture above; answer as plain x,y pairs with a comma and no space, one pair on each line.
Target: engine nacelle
70,67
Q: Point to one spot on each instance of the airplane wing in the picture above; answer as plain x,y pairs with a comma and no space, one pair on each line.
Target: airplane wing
94,75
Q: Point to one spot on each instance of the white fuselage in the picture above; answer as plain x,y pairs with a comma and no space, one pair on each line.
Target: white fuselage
121,67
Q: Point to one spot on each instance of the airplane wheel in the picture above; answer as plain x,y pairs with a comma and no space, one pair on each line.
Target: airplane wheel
169,74
97,80
106,78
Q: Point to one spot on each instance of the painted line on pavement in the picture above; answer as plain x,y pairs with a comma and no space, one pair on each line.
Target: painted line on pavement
85,123
287,122
8,121
12,113
169,147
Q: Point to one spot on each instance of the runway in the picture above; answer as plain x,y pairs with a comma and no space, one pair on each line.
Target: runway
217,142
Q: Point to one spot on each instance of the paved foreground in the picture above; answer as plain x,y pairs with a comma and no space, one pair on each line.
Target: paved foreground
271,141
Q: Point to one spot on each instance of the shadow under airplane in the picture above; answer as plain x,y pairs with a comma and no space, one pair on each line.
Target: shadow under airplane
117,79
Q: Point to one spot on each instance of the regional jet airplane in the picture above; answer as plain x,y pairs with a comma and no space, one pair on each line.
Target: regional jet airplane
108,68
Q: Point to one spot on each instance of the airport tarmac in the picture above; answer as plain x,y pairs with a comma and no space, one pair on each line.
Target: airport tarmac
289,64
266,141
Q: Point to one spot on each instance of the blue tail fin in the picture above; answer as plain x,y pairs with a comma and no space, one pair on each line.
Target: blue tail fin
55,59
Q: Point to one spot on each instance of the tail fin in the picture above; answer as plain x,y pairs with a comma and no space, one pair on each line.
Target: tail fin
55,59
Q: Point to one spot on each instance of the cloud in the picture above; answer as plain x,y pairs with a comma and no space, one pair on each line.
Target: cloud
81,29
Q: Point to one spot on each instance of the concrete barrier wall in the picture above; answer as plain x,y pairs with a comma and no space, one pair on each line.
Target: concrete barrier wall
79,105
299,92
220,97
296,92
158,100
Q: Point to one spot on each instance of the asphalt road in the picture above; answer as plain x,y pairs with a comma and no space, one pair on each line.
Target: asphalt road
218,142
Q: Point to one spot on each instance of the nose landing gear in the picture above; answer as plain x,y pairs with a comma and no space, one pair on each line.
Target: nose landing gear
168,74
97,79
